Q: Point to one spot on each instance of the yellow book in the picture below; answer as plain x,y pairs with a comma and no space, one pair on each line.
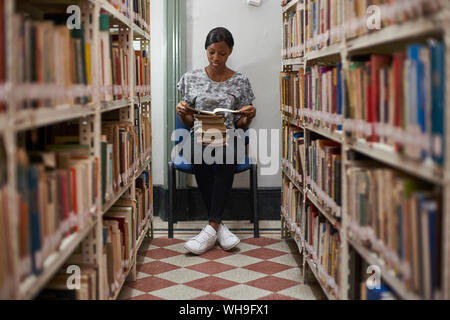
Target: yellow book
87,51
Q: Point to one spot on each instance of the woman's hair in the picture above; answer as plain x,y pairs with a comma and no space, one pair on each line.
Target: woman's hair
218,35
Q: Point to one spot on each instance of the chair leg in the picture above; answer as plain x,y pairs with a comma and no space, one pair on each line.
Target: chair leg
254,191
170,207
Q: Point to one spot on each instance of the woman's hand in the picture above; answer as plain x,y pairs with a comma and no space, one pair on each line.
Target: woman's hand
248,111
183,109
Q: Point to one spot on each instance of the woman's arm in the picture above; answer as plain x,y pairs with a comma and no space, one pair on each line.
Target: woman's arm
248,113
186,115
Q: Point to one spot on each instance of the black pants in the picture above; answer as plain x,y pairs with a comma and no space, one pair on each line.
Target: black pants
216,180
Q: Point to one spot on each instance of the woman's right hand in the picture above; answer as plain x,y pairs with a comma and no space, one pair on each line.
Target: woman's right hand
183,109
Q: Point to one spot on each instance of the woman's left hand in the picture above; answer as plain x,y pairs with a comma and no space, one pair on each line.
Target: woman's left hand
248,111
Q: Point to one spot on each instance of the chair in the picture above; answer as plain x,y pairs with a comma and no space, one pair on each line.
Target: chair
182,165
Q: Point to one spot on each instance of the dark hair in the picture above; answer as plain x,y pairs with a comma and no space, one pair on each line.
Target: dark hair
218,35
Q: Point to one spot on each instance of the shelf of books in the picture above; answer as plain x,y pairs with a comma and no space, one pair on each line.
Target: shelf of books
365,150
75,148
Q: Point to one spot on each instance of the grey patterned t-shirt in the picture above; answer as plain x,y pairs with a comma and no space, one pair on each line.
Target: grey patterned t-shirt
197,89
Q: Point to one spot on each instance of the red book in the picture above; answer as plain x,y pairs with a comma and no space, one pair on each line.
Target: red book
73,174
377,62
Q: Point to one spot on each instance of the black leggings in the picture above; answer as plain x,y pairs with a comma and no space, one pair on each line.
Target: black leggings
215,180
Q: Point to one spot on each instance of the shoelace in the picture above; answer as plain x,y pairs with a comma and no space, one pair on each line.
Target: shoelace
202,236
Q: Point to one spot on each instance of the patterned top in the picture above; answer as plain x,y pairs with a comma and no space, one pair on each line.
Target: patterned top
197,89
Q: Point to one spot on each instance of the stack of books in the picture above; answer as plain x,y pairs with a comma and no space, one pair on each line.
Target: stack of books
210,130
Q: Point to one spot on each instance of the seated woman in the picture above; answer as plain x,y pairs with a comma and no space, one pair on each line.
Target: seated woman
216,86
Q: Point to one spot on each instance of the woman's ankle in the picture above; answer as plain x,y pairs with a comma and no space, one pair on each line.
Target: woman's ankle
214,224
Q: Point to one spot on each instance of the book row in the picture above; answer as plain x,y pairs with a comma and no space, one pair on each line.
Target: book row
314,94
401,99
6,250
291,203
322,244
293,36
323,158
395,99
140,14
123,225
57,191
119,154
63,287
293,149
124,147
400,219
363,286
329,22
55,64
319,238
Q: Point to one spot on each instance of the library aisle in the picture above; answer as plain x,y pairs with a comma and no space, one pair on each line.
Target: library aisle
265,268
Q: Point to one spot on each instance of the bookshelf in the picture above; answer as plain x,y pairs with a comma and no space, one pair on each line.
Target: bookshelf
89,119
342,44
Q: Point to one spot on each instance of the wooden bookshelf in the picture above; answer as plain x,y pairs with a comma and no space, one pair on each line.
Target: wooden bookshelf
386,40
387,275
107,106
89,118
133,261
32,285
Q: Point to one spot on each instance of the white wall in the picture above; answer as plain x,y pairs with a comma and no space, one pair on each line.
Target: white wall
257,33
159,167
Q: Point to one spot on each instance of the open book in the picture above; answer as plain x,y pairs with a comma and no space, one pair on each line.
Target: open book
216,111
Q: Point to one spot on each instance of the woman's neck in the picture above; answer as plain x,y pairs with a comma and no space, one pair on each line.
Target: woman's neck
219,74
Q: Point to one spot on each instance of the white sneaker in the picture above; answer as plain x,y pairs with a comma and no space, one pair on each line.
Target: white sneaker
202,242
226,238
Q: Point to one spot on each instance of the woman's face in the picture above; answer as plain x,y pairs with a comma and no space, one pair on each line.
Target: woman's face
218,54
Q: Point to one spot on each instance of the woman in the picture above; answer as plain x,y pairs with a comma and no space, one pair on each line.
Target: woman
216,86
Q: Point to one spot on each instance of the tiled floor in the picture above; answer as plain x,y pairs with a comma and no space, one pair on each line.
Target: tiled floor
266,268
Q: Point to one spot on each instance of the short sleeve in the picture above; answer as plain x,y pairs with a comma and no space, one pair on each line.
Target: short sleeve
181,86
248,96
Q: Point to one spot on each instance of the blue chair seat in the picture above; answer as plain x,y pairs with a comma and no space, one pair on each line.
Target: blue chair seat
185,166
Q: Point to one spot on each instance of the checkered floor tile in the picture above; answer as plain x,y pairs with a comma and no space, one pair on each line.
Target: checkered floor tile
267,268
